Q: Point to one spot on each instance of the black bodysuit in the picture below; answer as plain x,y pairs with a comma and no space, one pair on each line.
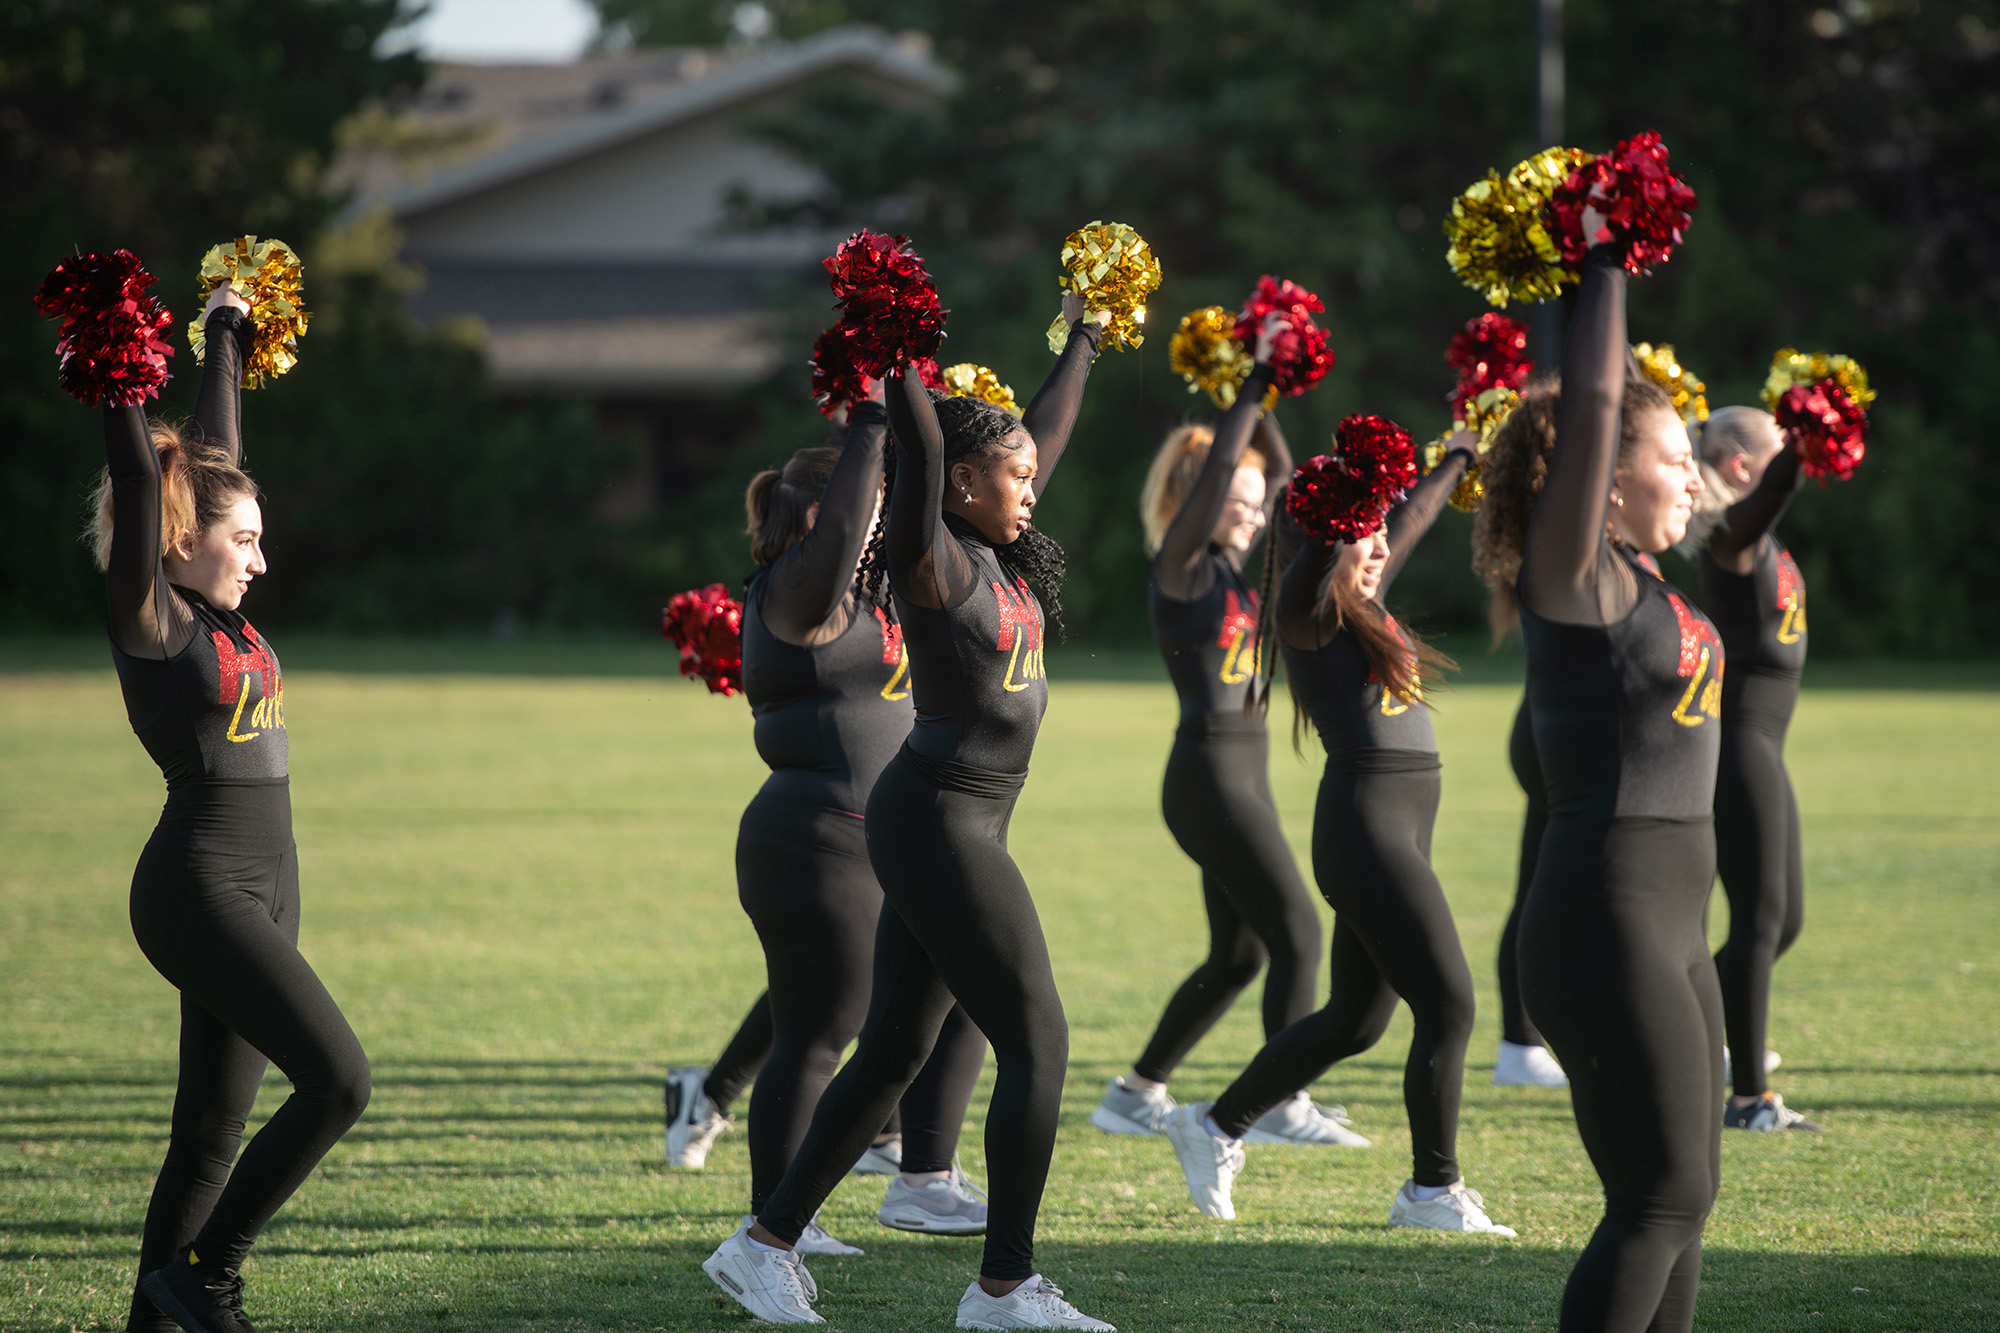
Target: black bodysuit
959,921
1761,617
215,896
1216,795
1624,690
1393,933
829,684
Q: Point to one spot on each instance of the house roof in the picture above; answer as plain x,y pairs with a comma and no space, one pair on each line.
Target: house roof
599,104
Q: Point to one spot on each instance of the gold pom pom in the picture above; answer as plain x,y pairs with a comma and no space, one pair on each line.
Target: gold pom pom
1207,354
269,276
1112,268
1483,417
966,380
1499,241
1663,368
1790,367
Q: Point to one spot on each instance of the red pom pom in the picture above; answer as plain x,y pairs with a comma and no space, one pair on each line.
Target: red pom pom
1345,496
1489,352
110,343
1824,428
888,302
1645,205
1299,357
707,626
834,378
931,373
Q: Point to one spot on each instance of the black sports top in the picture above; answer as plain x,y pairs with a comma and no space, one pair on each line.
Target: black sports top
825,672
203,690
973,626
1361,724
1761,615
1204,610
1624,675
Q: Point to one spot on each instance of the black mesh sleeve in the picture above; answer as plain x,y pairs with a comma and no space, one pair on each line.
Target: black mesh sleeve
809,583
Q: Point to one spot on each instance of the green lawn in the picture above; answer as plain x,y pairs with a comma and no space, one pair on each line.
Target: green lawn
519,887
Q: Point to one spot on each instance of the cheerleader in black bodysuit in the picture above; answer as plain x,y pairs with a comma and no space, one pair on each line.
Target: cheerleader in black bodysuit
1752,589
958,921
1355,672
1624,686
828,680
215,896
1217,793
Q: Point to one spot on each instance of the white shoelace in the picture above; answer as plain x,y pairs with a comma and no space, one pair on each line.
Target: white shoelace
1048,1296
962,1185
796,1280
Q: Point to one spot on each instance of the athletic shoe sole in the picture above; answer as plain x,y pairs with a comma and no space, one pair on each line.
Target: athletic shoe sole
753,1301
928,1224
1111,1122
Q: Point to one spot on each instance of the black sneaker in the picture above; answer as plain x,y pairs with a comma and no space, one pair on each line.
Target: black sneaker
200,1297
1768,1113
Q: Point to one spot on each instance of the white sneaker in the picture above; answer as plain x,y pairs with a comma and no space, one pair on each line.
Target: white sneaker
1298,1120
1211,1165
771,1284
953,1206
814,1240
1768,1113
1457,1209
1127,1111
693,1123
1036,1303
1771,1061
1519,1066
881,1159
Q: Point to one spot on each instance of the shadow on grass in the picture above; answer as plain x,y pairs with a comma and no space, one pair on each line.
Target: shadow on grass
1228,1281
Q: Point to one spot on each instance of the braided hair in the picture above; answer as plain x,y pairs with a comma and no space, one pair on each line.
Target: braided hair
976,429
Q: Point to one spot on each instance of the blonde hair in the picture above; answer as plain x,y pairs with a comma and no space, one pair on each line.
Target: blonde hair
1729,431
198,484
1172,476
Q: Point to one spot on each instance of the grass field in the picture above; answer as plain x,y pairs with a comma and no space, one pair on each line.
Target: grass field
519,887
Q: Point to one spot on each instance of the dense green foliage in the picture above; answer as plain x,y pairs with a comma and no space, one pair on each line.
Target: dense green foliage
1847,159
528,922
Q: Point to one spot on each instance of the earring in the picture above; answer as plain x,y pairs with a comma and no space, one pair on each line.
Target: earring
1618,500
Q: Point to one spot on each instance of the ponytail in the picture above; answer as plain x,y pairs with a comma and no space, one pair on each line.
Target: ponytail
779,504
198,484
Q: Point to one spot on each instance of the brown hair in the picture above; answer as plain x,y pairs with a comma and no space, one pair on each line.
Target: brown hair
778,503
198,484
1511,475
1180,459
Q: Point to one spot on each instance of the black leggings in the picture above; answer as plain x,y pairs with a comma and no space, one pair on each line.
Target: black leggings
216,910
1515,1025
1617,973
741,1058
1218,805
1757,854
958,921
1393,936
803,876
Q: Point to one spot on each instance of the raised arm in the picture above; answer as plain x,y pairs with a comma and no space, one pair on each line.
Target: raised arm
1566,546
1733,543
809,583
219,404
140,609
1051,414
1278,464
926,565
1178,566
1409,521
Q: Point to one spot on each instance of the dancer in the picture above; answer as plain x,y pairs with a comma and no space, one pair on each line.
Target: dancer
1751,588
958,921
698,1100
1207,499
1356,672
1523,1061
215,896
828,681
1624,679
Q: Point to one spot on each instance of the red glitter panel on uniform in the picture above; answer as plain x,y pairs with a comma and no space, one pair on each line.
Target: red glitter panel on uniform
1017,609
1696,634
1791,598
892,639
1235,620
236,665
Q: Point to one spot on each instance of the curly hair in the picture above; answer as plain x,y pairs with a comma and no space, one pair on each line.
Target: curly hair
974,428
198,484
1511,474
